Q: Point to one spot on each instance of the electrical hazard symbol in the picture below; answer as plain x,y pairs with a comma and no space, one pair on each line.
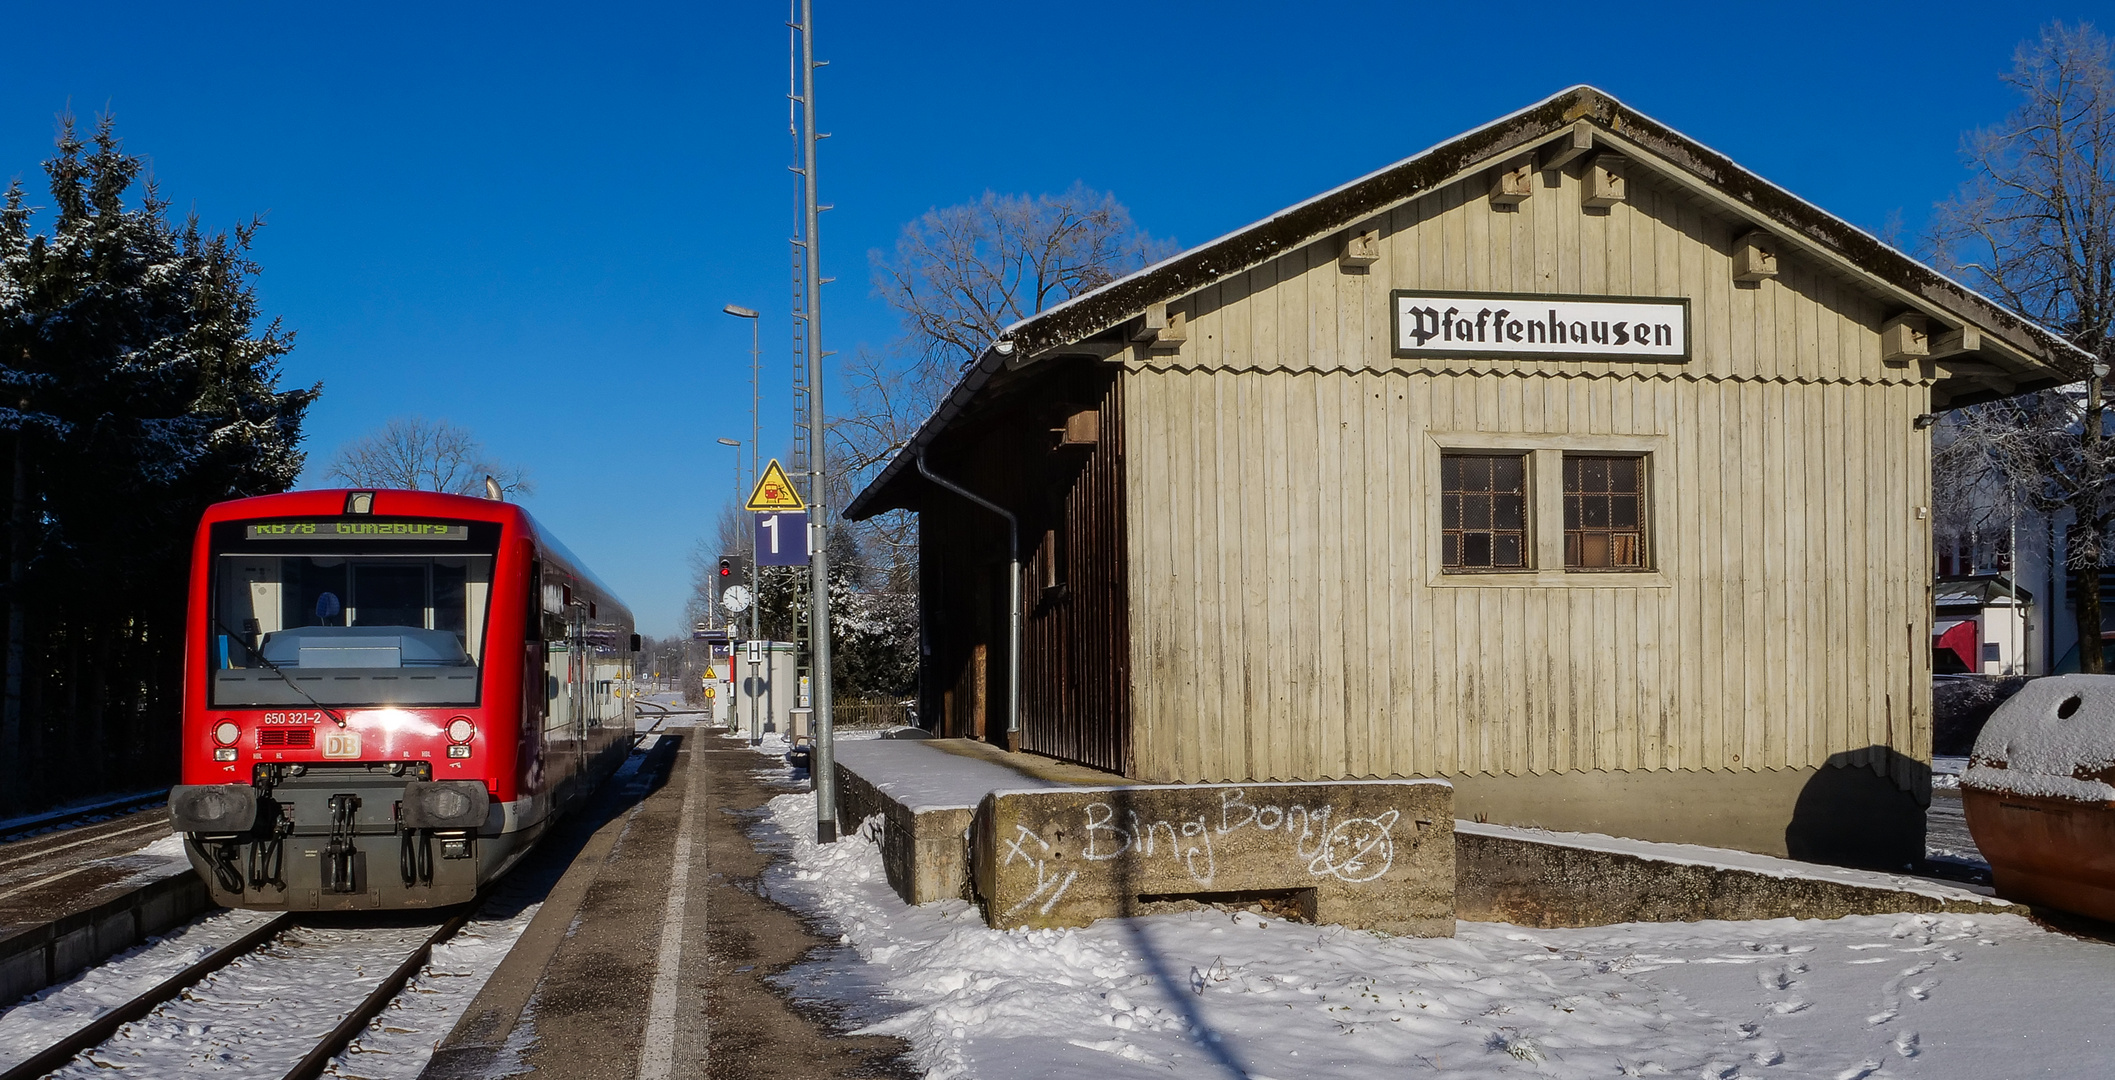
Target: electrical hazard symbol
774,491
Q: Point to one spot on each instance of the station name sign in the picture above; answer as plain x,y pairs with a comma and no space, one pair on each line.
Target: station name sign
356,530
1527,324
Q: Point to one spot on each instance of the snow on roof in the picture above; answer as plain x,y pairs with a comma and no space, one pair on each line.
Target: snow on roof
2055,739
1982,590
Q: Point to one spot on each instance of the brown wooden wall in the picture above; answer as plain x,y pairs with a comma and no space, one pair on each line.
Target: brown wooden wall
1075,701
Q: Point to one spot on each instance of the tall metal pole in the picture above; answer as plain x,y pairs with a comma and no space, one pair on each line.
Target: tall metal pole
756,469
756,447
825,764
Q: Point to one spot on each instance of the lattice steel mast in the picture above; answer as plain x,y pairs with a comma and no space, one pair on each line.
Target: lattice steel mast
810,461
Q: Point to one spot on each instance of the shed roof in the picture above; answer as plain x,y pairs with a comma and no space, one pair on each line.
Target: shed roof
2034,357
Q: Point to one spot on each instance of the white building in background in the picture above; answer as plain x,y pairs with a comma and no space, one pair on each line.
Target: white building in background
2011,580
1984,625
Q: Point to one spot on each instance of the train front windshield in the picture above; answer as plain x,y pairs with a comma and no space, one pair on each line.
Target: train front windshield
349,613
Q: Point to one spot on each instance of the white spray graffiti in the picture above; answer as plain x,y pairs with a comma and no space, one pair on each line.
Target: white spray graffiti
1045,879
1354,849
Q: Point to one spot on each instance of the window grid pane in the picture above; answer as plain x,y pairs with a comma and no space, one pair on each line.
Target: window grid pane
1604,518
1483,512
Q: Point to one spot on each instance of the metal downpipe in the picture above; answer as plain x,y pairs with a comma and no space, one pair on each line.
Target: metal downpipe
1013,597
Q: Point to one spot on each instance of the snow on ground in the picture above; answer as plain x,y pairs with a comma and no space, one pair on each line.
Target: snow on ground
1946,770
397,1045
151,862
1213,994
48,1015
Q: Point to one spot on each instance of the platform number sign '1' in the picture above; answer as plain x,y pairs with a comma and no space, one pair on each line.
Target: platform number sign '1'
782,539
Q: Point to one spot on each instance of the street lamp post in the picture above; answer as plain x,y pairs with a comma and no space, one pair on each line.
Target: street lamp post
731,715
756,446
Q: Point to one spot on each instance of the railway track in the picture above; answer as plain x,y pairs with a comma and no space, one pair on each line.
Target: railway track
27,865
282,1000
20,831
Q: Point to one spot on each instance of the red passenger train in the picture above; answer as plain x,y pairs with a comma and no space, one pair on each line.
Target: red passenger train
389,696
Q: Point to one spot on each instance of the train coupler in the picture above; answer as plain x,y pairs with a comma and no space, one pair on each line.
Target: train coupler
342,858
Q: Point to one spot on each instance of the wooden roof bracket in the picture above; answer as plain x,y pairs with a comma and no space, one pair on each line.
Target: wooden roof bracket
1993,346
1566,148
1160,329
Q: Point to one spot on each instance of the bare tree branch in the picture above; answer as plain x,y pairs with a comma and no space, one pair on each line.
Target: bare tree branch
414,453
2035,227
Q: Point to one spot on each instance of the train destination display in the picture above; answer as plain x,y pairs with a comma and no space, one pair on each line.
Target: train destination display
356,530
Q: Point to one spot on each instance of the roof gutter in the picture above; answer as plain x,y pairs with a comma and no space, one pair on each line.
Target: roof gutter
989,363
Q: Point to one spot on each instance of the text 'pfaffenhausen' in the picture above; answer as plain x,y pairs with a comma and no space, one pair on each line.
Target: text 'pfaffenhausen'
1468,324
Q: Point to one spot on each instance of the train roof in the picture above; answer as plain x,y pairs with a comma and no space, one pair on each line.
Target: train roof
391,502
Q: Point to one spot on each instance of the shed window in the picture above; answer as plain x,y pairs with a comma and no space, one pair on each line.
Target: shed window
1604,512
1483,511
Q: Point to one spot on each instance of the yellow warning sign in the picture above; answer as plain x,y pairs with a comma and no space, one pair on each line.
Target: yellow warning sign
774,491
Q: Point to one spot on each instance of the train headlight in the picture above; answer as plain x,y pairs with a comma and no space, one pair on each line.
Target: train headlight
460,730
226,732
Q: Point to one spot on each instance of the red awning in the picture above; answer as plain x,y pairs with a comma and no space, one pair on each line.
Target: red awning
1962,640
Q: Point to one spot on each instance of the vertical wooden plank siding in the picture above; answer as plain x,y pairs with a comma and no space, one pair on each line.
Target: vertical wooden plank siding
1075,648
1287,621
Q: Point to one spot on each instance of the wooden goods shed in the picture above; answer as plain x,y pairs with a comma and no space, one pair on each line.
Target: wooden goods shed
1567,460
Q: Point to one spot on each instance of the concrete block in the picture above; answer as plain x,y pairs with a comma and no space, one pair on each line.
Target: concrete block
74,950
1374,854
1532,878
24,973
924,852
33,957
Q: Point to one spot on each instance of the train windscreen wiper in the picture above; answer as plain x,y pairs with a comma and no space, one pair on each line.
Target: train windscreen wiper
277,670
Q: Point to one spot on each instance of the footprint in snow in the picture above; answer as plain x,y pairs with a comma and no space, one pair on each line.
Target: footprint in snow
1921,990
1880,1018
1769,1055
1783,978
1906,1044
1749,1031
1859,1071
1787,1008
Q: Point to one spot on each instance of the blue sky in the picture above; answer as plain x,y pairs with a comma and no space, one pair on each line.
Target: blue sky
525,218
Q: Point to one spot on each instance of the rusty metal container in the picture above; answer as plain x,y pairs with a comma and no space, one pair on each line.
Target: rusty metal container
2040,795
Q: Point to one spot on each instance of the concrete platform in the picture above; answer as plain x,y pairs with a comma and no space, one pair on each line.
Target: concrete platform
651,955
71,898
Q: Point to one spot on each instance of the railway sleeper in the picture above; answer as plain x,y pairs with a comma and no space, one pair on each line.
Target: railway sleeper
314,838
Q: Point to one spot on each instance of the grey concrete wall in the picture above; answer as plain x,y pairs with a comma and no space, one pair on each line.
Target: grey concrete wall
1841,814
1533,882
1375,854
35,957
925,854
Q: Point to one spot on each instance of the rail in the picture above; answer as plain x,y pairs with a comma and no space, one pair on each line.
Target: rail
311,1066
